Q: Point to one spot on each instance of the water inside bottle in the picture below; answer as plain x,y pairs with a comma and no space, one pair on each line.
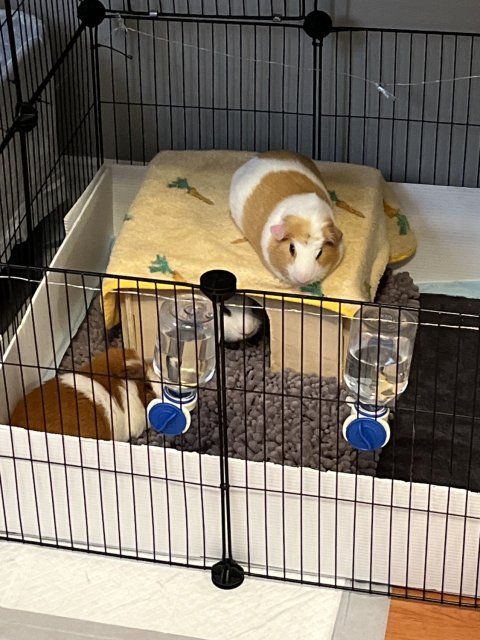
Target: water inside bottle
185,349
378,371
186,357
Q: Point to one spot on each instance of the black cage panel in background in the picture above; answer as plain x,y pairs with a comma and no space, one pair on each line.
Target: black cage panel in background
242,82
49,146
150,75
200,75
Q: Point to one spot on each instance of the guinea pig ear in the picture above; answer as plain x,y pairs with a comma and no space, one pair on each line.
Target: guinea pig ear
278,231
133,370
333,235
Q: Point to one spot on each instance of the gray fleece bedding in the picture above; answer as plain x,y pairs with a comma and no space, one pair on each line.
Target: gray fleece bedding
293,421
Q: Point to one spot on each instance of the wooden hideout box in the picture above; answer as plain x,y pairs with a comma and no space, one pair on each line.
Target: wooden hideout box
305,338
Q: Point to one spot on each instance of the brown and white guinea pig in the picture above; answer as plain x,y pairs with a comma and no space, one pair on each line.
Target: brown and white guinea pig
280,203
105,399
242,319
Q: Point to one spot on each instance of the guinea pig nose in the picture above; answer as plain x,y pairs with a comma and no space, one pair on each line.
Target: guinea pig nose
303,278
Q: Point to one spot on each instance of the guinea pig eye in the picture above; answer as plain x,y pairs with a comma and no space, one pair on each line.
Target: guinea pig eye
291,248
319,254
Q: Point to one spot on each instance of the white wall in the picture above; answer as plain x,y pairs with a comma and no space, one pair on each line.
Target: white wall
451,15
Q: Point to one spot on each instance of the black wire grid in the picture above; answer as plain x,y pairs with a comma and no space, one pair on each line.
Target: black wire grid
123,81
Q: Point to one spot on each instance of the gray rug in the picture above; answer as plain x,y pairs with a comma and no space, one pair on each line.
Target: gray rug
274,417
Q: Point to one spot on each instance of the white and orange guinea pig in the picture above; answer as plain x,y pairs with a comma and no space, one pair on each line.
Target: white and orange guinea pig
281,205
104,399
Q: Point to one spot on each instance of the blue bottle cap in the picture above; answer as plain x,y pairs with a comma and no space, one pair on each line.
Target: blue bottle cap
167,419
366,434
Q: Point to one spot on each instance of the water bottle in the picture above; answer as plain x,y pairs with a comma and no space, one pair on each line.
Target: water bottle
376,372
184,359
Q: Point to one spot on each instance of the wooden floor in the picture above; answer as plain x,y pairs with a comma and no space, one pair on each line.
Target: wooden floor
409,620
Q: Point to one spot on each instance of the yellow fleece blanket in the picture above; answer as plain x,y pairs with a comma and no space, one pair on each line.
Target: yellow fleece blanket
179,226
